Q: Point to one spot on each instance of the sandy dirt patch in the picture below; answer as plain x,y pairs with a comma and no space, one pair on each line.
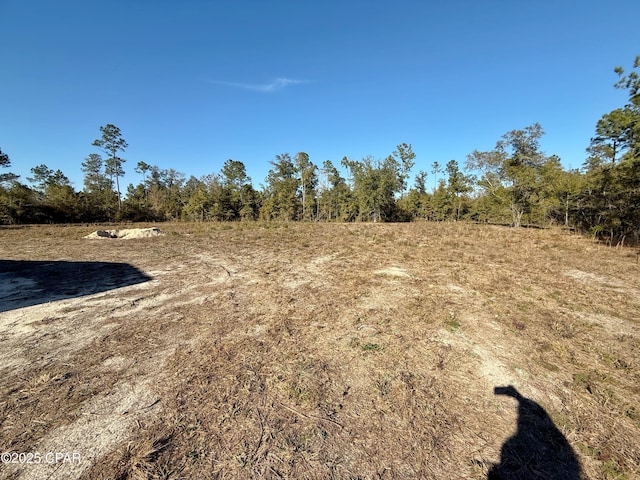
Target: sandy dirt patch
393,271
128,233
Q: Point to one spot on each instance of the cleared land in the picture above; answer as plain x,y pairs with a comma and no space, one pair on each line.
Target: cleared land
319,351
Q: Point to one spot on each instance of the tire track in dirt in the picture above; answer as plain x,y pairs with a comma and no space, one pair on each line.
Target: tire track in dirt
103,423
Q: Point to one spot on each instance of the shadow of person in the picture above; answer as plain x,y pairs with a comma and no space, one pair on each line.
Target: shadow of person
538,450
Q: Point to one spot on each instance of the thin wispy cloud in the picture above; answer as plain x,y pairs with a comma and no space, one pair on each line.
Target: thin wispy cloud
274,86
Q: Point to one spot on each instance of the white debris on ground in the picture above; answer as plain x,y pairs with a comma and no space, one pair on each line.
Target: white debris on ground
126,233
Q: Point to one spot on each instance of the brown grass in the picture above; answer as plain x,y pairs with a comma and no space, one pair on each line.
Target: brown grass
324,351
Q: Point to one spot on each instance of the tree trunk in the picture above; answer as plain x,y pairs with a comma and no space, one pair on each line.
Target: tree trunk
516,215
118,188
303,196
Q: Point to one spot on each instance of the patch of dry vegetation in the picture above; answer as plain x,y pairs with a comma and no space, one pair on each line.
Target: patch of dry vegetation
324,351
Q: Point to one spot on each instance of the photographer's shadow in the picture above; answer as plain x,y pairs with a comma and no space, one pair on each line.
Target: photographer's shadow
538,450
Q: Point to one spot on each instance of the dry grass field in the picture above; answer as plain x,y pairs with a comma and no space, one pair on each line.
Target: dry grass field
317,351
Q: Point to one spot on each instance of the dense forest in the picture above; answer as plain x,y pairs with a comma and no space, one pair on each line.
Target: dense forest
515,183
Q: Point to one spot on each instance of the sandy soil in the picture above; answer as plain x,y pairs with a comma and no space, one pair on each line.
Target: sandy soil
318,351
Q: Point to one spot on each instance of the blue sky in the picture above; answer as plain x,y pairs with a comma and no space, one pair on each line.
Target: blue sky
194,83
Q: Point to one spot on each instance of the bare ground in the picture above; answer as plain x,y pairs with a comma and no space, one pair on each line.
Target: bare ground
320,351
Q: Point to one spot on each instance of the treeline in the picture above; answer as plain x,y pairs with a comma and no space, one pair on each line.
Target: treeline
515,183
